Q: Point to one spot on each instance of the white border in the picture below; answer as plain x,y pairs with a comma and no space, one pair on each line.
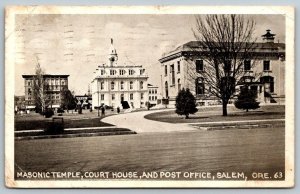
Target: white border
10,13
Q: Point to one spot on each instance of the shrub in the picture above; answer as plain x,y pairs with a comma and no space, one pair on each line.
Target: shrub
48,113
55,127
246,100
185,103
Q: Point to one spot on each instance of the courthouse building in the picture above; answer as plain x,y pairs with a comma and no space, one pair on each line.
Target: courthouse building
266,77
118,85
55,84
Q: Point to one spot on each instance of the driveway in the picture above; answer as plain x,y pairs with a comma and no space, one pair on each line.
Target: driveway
136,122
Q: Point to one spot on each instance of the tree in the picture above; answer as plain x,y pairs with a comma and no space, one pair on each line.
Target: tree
68,101
226,43
40,90
185,103
246,100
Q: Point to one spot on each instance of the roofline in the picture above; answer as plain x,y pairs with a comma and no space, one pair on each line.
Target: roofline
46,75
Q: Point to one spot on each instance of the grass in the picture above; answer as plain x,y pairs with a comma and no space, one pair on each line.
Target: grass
210,114
39,122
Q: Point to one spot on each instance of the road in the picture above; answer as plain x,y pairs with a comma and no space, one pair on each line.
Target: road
246,150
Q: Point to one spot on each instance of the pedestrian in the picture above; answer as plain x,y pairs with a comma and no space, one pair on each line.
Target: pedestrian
118,110
102,111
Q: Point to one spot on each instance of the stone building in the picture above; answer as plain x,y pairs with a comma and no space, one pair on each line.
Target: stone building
119,85
55,84
153,95
266,77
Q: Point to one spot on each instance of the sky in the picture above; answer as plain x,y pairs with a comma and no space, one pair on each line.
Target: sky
77,44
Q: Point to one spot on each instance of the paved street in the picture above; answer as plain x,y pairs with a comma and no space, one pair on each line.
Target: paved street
260,149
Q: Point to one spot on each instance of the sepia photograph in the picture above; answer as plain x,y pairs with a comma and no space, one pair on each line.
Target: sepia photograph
149,96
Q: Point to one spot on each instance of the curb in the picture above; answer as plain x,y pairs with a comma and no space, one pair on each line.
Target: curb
76,135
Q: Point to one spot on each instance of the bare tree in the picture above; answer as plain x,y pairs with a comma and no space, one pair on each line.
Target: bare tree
225,42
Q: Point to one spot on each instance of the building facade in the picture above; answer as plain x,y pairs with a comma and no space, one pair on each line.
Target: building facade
85,101
119,85
153,95
55,84
266,77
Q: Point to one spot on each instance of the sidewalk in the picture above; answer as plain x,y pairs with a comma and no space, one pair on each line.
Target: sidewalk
136,122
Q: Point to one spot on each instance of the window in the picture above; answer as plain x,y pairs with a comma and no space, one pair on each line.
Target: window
102,96
141,85
122,85
57,97
155,98
179,85
112,96
155,91
102,85
199,65
131,71
178,66
266,65
112,85
142,71
166,70
122,71
112,72
247,65
172,74
199,86
102,72
29,83
149,97
131,96
131,85
62,82
142,96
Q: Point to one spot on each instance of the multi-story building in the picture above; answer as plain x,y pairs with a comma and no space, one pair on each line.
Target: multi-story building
119,85
85,101
54,85
153,94
266,76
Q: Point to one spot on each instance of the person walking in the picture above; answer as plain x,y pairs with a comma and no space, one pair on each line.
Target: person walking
118,110
102,111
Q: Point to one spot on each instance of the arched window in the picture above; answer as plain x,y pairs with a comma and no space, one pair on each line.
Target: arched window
268,82
141,85
199,86
131,85
179,85
112,85
166,89
122,85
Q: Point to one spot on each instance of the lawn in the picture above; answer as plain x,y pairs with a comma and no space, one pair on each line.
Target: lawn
210,114
35,121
